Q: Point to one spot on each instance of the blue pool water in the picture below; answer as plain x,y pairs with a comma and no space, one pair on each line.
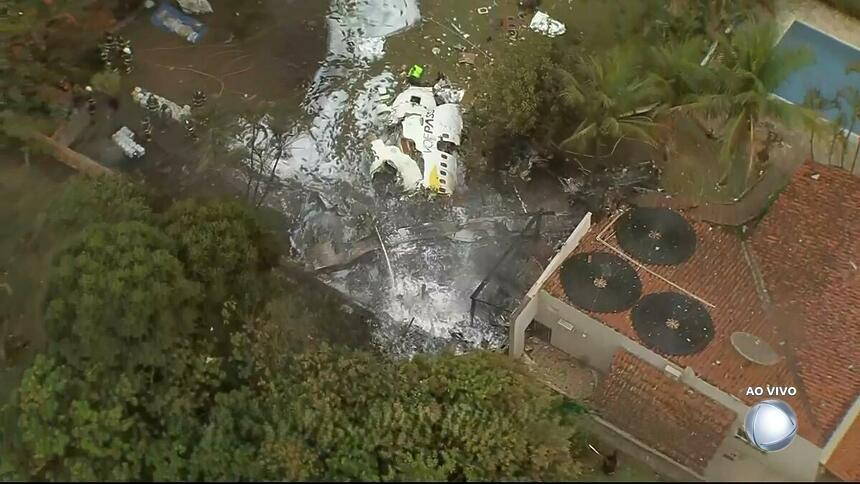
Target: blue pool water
827,73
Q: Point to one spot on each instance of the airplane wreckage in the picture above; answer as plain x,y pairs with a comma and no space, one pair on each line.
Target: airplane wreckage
424,147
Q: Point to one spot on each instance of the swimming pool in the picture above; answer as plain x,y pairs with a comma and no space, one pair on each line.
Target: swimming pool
826,73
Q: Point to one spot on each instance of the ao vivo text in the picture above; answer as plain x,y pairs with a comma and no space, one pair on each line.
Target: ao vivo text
771,391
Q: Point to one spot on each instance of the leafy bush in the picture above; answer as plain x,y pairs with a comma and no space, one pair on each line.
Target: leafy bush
514,96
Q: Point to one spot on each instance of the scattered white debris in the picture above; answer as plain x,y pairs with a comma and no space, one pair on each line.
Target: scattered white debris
177,112
407,168
195,7
544,24
815,176
124,138
448,94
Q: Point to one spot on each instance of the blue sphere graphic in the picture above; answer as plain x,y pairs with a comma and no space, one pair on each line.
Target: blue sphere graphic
771,425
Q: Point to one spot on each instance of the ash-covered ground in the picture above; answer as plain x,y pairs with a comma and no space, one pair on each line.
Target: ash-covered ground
439,248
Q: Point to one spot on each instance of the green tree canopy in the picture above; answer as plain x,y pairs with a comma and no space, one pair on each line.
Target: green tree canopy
449,418
89,200
86,423
750,69
31,59
118,296
611,98
328,415
132,387
222,246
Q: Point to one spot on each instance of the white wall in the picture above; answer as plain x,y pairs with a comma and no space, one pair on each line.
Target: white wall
524,315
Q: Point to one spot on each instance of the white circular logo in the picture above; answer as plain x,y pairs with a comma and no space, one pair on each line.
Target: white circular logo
771,425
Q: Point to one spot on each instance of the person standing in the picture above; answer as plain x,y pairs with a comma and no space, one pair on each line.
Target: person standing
126,59
152,104
190,131
198,100
610,463
146,126
92,106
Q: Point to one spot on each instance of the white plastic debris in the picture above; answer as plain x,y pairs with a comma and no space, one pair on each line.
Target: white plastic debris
447,93
124,138
407,168
195,7
546,25
178,113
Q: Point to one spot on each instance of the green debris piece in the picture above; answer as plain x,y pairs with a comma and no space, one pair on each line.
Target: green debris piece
416,71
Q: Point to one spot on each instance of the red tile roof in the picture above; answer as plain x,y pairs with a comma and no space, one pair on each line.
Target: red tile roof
686,425
804,247
808,248
844,463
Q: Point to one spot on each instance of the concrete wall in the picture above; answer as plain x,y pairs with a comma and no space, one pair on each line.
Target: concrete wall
594,343
524,315
847,421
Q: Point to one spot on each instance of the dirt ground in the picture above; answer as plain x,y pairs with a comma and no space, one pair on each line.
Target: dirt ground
25,193
248,54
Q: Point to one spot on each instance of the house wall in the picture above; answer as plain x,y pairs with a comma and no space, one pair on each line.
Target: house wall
524,315
594,343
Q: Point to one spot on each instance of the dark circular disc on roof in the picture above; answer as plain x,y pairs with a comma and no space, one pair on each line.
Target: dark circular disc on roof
672,323
600,282
656,236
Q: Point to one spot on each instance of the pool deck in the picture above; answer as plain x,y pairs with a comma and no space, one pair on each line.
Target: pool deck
820,16
842,27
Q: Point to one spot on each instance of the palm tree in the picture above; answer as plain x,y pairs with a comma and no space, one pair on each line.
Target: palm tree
677,69
815,101
611,99
851,95
750,71
837,128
